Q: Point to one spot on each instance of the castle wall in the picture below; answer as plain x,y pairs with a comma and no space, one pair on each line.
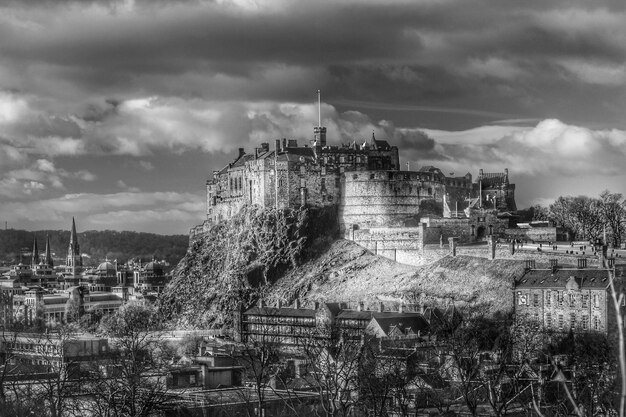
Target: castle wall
385,198
400,244
545,234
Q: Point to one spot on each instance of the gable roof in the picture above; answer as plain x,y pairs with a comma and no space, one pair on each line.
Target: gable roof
560,278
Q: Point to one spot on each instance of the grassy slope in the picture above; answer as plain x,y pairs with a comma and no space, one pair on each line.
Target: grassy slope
347,272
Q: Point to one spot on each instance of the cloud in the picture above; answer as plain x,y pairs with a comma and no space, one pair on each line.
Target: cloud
552,149
41,175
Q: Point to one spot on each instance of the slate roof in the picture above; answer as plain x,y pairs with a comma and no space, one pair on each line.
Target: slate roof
282,312
558,278
416,323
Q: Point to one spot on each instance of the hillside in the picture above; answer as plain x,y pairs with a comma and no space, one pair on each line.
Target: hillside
347,272
96,244
232,266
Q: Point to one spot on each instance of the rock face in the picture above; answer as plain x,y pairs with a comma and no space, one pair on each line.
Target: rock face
294,254
236,262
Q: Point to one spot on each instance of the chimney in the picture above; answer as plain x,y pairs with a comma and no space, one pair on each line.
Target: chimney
401,308
242,152
261,303
381,307
284,144
359,306
292,143
296,304
256,153
277,146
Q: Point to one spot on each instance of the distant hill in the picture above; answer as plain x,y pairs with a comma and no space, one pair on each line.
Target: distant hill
98,245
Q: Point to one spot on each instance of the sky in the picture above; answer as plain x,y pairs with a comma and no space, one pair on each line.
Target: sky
117,112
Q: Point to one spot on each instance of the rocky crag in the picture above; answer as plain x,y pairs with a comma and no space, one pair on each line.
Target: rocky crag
294,254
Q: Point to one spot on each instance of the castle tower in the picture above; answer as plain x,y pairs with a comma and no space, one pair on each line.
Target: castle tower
74,261
34,261
48,255
319,132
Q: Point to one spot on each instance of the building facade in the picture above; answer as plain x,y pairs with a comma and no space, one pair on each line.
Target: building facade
560,300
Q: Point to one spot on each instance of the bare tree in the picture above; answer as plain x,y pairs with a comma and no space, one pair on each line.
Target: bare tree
131,381
335,360
612,207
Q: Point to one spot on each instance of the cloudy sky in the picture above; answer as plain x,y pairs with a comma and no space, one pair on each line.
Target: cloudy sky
115,112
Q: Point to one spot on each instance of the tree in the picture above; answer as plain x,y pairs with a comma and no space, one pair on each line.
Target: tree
335,361
580,215
131,381
612,206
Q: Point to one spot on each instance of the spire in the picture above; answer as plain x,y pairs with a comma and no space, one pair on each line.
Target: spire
35,258
73,237
48,255
373,144
74,261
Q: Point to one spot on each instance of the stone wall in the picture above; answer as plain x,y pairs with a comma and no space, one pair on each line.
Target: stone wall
534,234
400,244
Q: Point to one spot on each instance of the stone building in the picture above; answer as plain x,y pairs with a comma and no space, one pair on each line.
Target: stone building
363,181
567,299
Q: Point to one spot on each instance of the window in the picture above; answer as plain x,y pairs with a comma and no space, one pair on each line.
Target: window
585,322
560,324
521,298
323,183
535,300
559,297
585,300
571,299
548,297
430,191
548,320
596,323
596,301
572,321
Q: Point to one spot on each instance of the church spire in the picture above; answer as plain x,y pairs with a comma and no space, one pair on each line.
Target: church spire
48,255
73,237
74,261
35,258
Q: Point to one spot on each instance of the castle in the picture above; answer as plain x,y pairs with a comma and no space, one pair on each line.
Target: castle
373,196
